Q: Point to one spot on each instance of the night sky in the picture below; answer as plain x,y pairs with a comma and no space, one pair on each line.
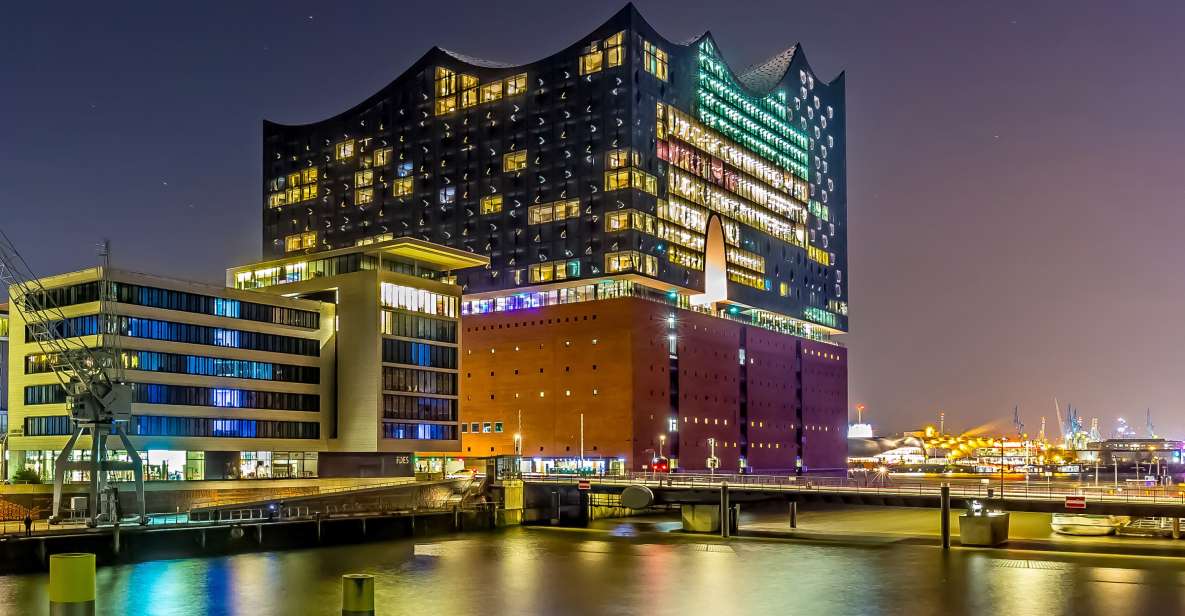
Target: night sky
1015,168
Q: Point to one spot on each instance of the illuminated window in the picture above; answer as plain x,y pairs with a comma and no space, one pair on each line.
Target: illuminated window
549,212
621,157
382,157
615,50
491,204
362,196
491,92
617,180
516,84
364,178
543,272
631,260
293,179
344,149
308,175
469,94
631,178
293,195
617,221
308,191
402,187
404,169
654,60
783,289
447,104
300,241
446,82
592,60
514,161
448,194
276,199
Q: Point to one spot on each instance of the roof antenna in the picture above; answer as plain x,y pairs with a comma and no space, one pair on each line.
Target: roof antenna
104,250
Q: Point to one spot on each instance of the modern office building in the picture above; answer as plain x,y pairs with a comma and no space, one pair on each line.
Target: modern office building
226,383
698,213
397,332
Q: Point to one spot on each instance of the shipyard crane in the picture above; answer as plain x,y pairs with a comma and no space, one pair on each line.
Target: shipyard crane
98,400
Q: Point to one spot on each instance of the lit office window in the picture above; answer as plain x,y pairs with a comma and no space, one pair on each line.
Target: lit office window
654,60
514,161
516,85
402,187
344,149
491,204
615,49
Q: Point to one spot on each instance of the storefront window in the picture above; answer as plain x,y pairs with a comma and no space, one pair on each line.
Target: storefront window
195,465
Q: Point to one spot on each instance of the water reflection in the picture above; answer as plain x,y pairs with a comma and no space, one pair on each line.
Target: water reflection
630,569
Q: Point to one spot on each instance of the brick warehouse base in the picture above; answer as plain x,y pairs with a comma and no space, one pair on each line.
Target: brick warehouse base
610,360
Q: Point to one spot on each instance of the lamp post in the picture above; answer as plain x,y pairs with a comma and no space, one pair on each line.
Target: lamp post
662,440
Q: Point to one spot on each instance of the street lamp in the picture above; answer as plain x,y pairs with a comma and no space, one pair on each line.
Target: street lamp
662,440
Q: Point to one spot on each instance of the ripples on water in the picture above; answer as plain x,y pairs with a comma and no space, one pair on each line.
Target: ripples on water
628,568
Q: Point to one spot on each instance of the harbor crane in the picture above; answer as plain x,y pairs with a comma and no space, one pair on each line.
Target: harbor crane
89,368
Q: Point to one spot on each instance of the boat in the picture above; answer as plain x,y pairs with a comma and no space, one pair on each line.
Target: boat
1084,525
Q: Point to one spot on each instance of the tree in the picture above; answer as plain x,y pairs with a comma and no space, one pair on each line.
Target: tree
26,475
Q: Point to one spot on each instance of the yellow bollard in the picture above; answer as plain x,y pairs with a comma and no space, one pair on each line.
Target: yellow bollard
357,594
72,584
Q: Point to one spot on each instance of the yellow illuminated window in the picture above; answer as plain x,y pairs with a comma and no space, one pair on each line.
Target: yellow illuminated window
491,92
631,260
514,161
491,204
294,195
617,221
308,191
654,60
276,199
308,240
542,272
309,175
364,178
622,157
298,241
617,180
292,242
469,94
344,149
516,84
402,187
548,212
362,196
382,157
293,179
783,289
447,104
644,181
538,214
591,62
446,81
615,50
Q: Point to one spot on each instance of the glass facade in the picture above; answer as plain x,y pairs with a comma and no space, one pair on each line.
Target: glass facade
159,425
154,329
177,363
534,165
180,395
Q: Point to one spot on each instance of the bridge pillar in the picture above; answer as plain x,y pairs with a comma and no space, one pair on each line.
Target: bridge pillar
700,518
793,514
1176,527
945,516
725,511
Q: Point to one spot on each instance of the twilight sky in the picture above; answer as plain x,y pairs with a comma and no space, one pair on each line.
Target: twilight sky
1015,168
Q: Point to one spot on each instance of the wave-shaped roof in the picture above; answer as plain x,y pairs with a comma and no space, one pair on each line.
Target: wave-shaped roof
765,76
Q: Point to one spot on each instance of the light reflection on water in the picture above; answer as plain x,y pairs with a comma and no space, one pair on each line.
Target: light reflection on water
622,570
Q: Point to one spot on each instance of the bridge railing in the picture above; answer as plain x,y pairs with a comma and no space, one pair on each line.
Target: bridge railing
1156,495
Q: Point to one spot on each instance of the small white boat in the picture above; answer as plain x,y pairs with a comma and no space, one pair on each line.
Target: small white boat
1084,525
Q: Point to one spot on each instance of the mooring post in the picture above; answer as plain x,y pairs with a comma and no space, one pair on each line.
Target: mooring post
357,594
1176,527
793,514
725,511
72,584
945,516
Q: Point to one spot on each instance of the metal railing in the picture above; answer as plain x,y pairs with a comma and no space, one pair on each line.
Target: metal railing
1014,490
209,503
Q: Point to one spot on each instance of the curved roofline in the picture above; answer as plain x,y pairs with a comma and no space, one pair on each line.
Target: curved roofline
629,13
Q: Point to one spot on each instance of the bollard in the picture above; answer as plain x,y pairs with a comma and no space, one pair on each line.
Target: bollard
945,498
357,594
71,584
